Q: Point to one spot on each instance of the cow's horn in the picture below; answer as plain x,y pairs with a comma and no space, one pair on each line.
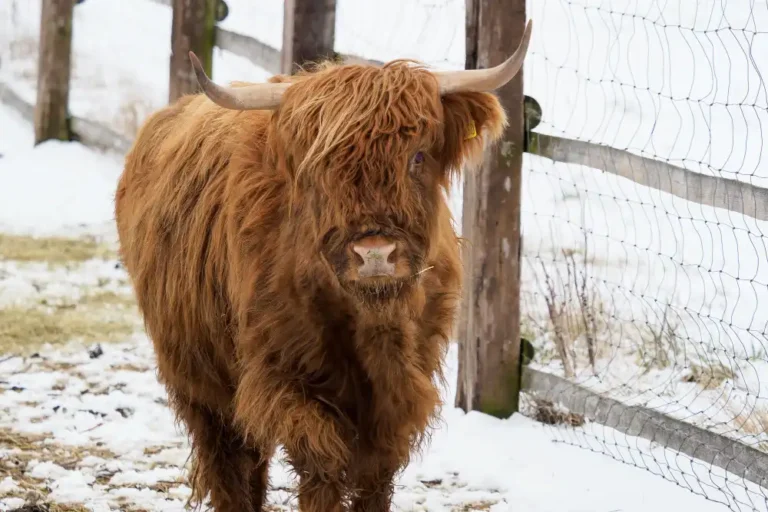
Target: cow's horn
485,80
264,96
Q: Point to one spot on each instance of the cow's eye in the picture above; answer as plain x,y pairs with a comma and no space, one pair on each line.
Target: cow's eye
417,160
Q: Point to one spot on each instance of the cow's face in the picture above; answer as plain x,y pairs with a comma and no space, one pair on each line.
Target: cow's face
368,153
362,146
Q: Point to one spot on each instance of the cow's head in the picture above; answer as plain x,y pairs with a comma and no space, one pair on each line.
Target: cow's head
369,152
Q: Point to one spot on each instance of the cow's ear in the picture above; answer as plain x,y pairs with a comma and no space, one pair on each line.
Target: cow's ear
472,121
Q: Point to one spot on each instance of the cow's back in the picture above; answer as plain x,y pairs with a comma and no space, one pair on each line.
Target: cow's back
172,242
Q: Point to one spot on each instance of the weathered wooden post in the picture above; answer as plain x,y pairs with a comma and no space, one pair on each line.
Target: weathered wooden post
489,330
308,32
193,29
53,71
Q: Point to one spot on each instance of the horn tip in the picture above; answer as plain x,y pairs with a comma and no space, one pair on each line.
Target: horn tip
197,66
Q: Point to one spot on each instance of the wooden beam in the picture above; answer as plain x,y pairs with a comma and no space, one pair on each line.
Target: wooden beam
679,436
193,29
259,53
53,71
729,194
489,371
92,134
309,28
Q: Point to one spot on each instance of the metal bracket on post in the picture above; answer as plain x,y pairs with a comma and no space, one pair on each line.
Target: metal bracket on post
531,117
222,11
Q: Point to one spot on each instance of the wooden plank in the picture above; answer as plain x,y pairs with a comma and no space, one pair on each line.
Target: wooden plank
265,56
261,54
489,375
193,29
10,98
309,28
97,136
729,194
53,70
466,362
89,133
696,442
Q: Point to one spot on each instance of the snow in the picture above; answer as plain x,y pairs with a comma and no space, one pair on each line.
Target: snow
29,171
678,81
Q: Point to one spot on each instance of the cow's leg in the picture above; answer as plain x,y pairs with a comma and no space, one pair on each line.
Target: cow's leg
319,490
268,408
223,466
259,478
373,482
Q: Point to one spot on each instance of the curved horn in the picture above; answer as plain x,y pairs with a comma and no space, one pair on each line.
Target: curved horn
484,80
265,96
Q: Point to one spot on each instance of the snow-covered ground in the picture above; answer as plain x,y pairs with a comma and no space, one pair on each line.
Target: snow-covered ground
674,288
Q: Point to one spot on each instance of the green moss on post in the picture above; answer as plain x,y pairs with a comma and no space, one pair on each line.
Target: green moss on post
504,400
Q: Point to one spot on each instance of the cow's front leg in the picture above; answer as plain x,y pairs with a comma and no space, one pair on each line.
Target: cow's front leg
272,411
321,488
373,482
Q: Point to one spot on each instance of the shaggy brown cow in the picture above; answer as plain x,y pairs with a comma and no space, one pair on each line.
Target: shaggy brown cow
293,256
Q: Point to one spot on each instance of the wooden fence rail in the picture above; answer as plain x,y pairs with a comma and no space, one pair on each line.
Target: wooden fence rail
89,133
729,194
709,447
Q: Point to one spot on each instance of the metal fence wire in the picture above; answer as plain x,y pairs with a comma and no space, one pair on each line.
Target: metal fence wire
633,290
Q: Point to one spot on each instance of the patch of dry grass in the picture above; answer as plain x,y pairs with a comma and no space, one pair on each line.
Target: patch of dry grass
477,505
576,319
545,411
565,312
53,250
753,422
19,449
709,376
101,316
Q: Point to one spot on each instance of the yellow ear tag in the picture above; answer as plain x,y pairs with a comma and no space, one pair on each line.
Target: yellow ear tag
471,131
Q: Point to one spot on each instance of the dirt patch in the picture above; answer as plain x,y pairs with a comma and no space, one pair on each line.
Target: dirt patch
54,250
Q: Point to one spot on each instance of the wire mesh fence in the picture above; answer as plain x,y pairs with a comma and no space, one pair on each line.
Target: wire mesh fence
633,293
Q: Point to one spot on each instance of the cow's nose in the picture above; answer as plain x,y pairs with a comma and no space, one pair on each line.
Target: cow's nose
375,255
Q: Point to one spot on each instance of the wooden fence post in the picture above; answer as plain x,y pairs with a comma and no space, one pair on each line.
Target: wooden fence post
53,71
309,28
489,355
193,28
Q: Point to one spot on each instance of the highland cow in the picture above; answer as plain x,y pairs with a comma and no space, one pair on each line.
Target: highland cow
294,259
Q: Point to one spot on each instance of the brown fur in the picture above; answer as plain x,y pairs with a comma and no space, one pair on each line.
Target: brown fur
234,227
